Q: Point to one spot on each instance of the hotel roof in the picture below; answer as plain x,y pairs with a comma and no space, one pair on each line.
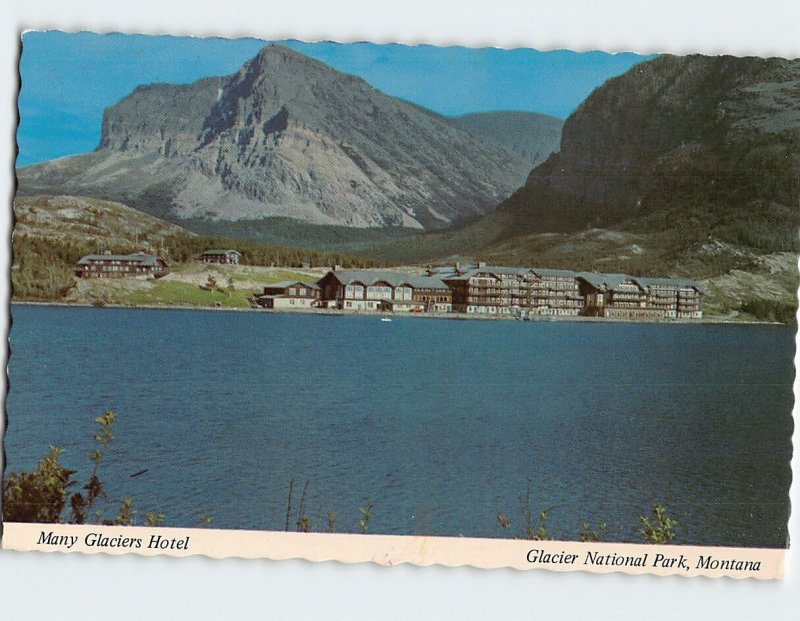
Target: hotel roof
395,279
139,257
604,281
283,284
218,251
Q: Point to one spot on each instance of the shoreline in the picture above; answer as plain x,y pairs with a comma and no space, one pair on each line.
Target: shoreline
427,315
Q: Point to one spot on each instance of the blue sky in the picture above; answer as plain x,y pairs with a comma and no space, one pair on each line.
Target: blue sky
67,80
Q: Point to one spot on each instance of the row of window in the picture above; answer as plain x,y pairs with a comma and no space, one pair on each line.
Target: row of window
300,292
116,268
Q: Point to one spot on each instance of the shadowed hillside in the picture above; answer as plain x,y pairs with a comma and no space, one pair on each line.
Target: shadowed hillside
684,166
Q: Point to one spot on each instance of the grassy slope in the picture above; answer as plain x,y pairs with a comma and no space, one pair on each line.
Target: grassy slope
91,220
53,232
186,286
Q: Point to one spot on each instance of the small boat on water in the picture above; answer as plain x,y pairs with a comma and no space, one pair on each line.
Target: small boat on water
386,318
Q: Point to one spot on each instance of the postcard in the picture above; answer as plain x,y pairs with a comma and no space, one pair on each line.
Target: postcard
403,304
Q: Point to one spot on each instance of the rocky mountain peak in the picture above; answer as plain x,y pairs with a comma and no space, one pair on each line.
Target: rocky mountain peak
289,136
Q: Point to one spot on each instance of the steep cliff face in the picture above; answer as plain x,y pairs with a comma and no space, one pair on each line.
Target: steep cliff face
288,136
673,134
160,118
682,166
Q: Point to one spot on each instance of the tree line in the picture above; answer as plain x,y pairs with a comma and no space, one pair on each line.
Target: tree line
44,267
181,248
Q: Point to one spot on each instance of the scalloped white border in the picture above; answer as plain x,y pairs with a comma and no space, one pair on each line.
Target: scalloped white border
396,549
134,587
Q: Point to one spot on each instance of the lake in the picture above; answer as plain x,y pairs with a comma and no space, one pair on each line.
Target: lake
440,424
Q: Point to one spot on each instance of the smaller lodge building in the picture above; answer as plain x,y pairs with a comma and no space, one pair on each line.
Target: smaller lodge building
108,265
289,294
225,257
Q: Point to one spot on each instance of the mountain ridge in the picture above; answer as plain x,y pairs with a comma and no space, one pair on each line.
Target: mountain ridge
717,139
683,166
286,136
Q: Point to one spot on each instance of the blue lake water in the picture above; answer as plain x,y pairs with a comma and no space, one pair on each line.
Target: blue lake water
440,424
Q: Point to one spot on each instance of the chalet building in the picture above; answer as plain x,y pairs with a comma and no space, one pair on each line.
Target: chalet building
108,265
434,295
678,298
289,294
632,297
362,290
554,292
615,296
494,290
382,290
489,290
662,295
497,290
690,301
225,257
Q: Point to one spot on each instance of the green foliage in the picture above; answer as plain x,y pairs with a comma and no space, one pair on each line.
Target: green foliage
366,515
303,521
331,522
38,496
184,247
537,532
94,488
590,533
294,234
540,533
660,528
44,268
41,496
211,284
304,524
771,310
126,514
